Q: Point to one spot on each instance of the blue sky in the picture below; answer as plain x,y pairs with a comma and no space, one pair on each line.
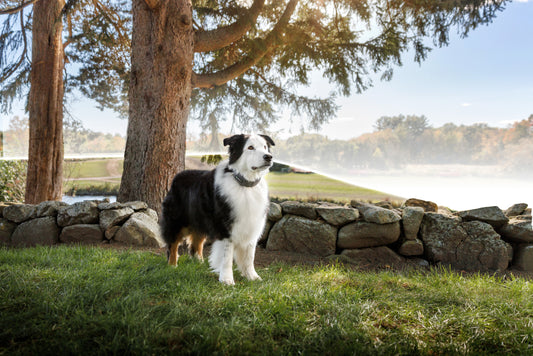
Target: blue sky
487,77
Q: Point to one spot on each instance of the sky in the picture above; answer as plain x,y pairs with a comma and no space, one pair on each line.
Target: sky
486,77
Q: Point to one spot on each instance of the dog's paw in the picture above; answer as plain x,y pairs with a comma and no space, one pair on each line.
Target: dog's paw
199,257
252,276
227,281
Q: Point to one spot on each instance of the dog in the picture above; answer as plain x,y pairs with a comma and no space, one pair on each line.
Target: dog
228,205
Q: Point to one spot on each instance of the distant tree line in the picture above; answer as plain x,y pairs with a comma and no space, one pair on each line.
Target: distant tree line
401,140
76,140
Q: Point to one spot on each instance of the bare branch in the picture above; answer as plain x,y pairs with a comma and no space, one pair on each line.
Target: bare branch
273,39
205,41
18,8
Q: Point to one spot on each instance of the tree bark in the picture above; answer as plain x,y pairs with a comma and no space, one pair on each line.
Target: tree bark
45,158
160,90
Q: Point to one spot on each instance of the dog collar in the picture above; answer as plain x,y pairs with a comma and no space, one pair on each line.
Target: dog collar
241,180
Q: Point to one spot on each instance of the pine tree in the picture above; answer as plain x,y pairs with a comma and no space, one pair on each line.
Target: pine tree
39,65
266,48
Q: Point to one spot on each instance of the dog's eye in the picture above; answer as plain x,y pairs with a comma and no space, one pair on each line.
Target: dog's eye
251,147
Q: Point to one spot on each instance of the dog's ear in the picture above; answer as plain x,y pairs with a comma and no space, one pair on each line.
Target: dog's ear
269,141
231,141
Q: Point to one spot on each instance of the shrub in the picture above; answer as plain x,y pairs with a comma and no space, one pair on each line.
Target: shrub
12,180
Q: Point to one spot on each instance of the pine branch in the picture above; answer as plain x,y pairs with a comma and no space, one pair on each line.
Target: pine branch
210,80
18,8
205,41
14,68
113,18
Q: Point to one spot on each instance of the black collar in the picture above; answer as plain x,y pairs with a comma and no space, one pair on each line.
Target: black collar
241,180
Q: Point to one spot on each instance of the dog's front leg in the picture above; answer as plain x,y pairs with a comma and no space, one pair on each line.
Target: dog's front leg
244,257
226,268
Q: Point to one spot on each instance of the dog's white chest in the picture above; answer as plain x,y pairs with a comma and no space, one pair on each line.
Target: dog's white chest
248,208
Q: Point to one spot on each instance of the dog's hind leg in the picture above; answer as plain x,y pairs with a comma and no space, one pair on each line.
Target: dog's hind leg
172,253
197,245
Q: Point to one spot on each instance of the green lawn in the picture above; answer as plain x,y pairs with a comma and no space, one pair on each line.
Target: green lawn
82,176
84,300
317,187
92,168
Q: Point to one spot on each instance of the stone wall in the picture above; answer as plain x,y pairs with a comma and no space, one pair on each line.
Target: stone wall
484,239
85,222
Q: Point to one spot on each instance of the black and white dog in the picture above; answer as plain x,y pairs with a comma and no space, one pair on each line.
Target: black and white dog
227,204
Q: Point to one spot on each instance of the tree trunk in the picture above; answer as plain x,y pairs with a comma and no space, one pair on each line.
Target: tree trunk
214,145
45,158
160,90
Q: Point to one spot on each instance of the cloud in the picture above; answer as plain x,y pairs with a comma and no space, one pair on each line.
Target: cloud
465,105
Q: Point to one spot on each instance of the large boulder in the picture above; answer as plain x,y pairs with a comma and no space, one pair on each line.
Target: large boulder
518,230
264,236
307,210
363,234
112,217
375,214
411,248
491,215
298,234
6,230
82,233
515,210
40,231
523,258
274,212
470,246
3,205
134,205
140,229
19,212
428,206
337,215
48,208
411,220
372,257
84,212
150,212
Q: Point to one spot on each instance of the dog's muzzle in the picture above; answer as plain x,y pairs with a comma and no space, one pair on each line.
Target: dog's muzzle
268,162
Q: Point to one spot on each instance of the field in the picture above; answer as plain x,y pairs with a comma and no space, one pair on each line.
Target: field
102,177
89,300
317,187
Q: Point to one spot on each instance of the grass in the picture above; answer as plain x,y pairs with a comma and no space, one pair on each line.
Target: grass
83,180
317,187
73,300
93,168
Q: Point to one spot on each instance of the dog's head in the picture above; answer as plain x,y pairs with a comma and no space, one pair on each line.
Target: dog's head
250,154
